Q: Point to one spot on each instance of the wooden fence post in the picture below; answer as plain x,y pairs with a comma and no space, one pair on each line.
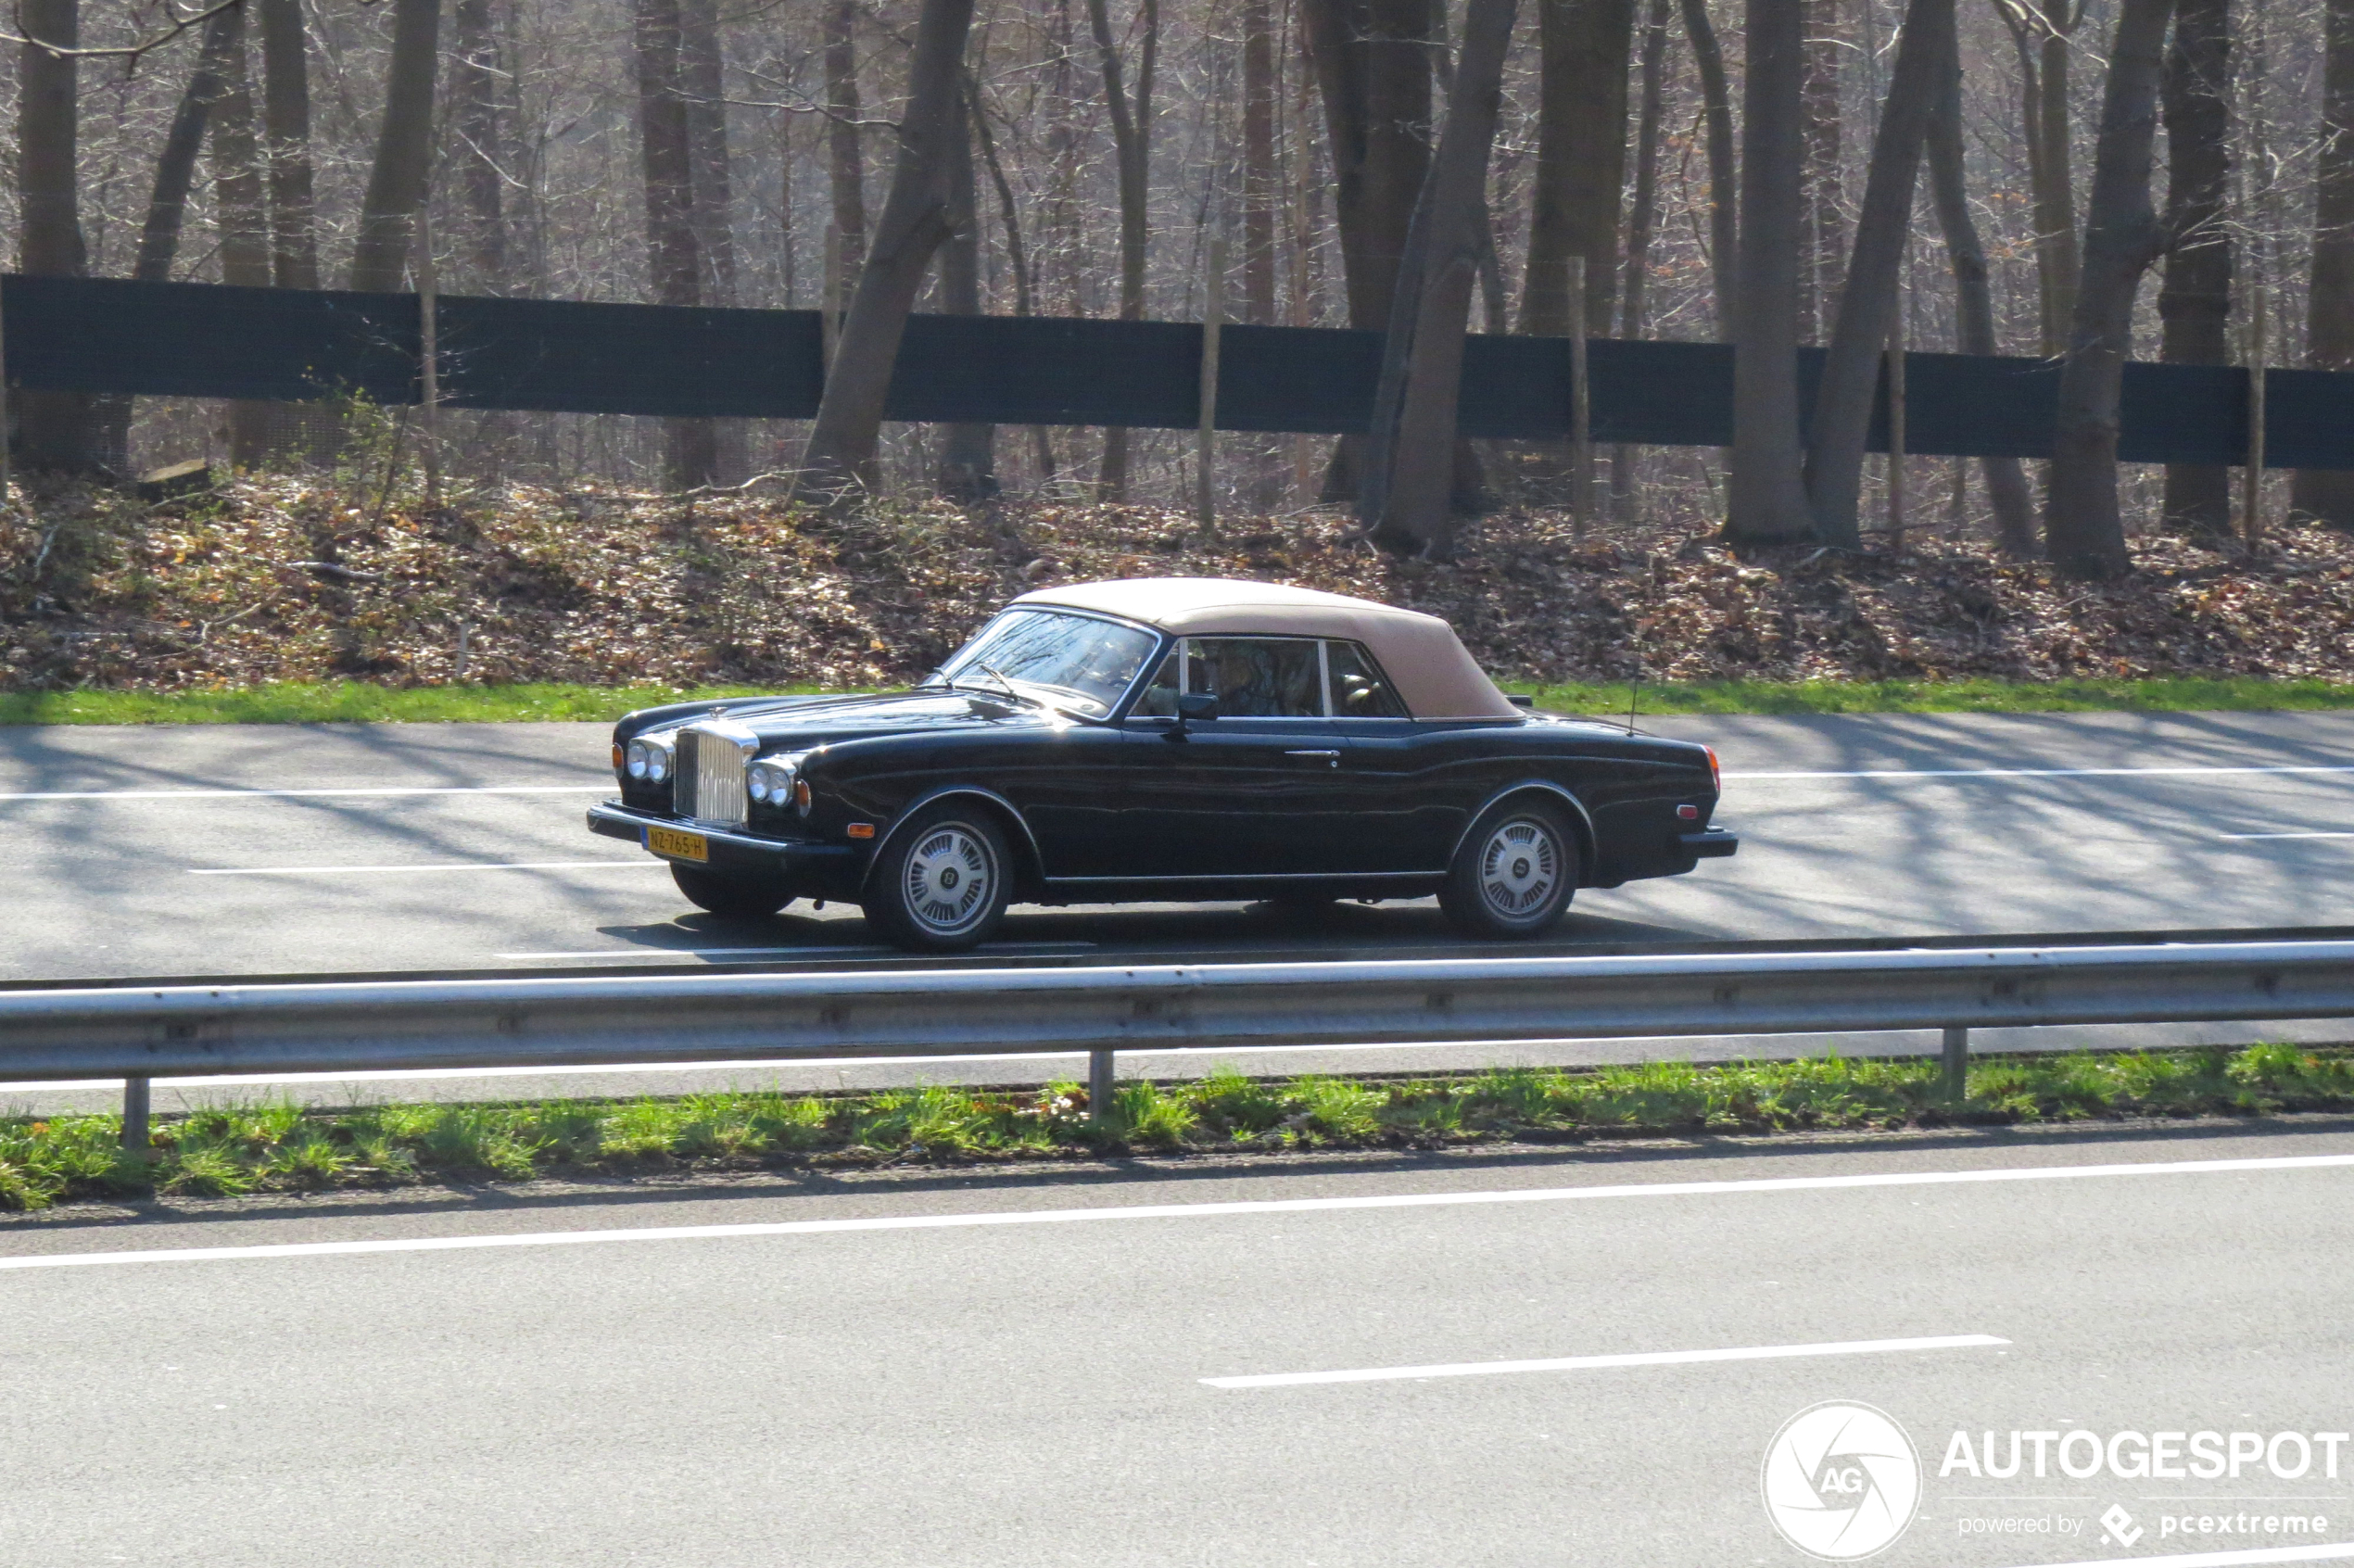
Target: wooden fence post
1581,413
1205,440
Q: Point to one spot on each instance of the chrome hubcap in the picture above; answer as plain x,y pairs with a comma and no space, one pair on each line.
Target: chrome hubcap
1519,867
950,874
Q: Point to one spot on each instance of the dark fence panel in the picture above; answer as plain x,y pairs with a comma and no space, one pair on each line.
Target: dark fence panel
200,340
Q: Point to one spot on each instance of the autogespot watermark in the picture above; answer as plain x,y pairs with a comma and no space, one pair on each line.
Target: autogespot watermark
2211,1455
1842,1481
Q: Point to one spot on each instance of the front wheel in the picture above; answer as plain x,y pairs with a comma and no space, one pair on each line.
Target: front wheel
939,884
742,897
1513,875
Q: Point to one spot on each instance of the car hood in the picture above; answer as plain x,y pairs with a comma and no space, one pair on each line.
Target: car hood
801,723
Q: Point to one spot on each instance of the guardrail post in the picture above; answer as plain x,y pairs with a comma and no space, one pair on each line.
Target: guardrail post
134,1118
1956,1081
1099,1090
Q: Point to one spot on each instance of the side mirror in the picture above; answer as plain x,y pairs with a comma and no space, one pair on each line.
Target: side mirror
1197,707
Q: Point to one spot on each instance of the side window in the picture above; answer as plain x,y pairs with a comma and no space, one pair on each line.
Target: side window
1258,677
1159,699
1359,689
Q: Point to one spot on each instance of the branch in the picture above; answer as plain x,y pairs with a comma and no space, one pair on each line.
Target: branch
176,22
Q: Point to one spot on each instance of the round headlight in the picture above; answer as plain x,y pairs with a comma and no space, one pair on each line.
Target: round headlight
771,780
638,762
657,761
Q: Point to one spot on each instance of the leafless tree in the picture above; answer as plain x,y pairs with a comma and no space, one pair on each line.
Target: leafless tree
1769,495
2122,236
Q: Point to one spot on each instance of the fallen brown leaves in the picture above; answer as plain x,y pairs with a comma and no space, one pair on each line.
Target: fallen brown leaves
277,578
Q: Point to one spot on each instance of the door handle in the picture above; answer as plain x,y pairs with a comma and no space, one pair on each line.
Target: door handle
1331,758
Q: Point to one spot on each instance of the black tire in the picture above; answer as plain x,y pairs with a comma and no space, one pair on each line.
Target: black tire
941,882
742,897
1514,874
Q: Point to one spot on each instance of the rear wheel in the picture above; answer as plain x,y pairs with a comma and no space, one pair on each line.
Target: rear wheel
746,897
941,883
1514,872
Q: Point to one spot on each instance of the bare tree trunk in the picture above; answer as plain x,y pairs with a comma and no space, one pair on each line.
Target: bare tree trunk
1723,181
1581,159
1017,256
2195,290
2042,35
969,452
167,210
1132,141
54,429
1827,50
2328,494
1767,497
1868,299
1973,305
403,165
2056,205
285,124
845,155
702,86
1641,221
674,259
1260,197
474,84
2122,236
1409,470
1373,61
244,221
836,466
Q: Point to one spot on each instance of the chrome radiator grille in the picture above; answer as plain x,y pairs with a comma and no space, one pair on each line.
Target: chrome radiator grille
711,775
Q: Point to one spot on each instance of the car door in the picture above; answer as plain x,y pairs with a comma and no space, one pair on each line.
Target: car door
1416,781
1259,791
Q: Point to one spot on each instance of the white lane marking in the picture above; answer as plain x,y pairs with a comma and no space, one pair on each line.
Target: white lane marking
2247,836
498,865
1583,1364
1188,1210
307,794
2043,772
2333,1551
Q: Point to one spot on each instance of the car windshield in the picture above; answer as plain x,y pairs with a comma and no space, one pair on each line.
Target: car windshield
1074,662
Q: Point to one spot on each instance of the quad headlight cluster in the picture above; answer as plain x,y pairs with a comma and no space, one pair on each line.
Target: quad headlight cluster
649,759
777,781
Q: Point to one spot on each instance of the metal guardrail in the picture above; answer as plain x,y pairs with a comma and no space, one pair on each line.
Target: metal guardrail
572,1020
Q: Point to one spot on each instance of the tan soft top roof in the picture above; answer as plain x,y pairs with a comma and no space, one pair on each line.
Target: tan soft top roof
1420,653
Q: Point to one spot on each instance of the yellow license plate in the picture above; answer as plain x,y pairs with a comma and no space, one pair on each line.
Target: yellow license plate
677,846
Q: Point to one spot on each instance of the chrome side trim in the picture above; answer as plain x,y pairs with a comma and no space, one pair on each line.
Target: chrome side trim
1263,876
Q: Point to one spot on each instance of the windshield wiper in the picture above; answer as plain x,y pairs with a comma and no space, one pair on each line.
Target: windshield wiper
1003,684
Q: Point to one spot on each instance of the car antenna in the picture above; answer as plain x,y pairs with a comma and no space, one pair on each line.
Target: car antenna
1634,688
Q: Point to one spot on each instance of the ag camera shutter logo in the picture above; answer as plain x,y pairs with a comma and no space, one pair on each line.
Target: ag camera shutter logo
1842,1481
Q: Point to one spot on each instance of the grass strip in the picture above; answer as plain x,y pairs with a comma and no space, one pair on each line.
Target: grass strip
232,1149
361,703
2178,694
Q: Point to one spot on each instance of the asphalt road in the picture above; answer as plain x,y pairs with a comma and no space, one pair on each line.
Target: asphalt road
986,1370
260,850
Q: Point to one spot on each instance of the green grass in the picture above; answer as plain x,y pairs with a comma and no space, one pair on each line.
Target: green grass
2179,694
359,702
278,1147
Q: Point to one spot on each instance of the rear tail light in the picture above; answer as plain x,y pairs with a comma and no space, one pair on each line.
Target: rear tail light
1715,774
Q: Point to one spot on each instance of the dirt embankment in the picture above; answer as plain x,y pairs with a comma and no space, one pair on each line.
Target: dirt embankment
294,578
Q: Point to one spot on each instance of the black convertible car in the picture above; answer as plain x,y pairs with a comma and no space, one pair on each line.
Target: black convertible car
1162,738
